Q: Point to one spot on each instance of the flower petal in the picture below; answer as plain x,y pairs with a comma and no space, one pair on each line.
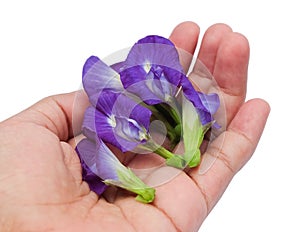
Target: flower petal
152,58
89,63
98,76
107,163
210,101
124,106
97,125
192,95
154,50
86,152
136,81
99,158
125,124
155,39
118,67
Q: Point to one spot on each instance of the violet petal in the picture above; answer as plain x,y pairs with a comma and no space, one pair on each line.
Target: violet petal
125,124
210,101
99,76
89,63
201,104
86,152
152,58
155,39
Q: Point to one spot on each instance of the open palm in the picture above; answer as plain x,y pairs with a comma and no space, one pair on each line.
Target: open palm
41,187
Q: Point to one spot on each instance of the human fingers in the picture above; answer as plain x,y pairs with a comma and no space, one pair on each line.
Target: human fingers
232,149
210,44
221,67
225,55
185,37
231,71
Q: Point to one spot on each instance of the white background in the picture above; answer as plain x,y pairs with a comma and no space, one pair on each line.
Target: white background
43,45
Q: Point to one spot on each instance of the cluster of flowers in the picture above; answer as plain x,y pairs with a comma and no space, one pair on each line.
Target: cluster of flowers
125,98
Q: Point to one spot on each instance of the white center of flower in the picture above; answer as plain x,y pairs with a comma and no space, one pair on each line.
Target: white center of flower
168,98
147,66
112,121
143,136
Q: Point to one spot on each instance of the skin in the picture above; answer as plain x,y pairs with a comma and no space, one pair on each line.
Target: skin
41,188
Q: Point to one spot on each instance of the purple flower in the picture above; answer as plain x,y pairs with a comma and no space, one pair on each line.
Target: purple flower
105,169
151,74
149,84
117,120
97,77
88,171
152,70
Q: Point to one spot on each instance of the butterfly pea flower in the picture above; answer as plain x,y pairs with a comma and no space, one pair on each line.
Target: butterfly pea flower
153,74
117,120
125,97
94,181
152,70
156,59
97,77
122,122
105,169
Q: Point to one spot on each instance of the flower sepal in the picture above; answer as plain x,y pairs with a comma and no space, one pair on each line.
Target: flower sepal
196,157
176,161
129,181
193,133
146,195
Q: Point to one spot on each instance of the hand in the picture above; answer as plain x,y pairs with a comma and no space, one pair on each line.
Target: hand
41,187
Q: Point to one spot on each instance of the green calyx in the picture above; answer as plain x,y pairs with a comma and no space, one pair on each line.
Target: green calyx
193,134
193,158
176,161
146,195
129,181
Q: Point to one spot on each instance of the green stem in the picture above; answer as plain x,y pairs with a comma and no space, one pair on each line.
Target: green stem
170,111
172,160
175,115
170,130
164,152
